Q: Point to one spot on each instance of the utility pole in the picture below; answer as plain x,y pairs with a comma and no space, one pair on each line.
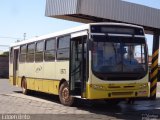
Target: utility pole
24,35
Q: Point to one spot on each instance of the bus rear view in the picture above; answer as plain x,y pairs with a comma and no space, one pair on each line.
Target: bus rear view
119,65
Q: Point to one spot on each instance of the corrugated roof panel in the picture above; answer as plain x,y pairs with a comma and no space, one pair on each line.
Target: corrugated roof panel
60,7
101,10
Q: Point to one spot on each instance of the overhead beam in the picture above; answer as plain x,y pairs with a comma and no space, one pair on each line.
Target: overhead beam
87,11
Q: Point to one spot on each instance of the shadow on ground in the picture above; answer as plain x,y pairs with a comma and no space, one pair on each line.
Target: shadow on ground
138,110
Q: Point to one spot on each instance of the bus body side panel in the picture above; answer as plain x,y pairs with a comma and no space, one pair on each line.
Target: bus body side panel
44,77
50,86
29,74
39,75
30,83
22,72
50,83
62,70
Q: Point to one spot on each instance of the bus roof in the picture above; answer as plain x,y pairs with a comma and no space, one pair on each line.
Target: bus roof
55,34
67,31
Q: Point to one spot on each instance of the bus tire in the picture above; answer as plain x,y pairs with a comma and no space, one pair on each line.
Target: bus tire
24,86
64,95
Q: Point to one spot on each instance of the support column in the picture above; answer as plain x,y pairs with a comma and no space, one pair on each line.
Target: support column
154,66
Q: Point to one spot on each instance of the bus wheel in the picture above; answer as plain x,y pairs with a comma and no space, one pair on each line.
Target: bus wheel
24,86
64,96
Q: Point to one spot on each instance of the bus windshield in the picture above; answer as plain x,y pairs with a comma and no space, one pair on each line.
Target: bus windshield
119,55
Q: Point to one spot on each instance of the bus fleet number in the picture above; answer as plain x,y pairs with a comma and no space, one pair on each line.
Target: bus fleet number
63,71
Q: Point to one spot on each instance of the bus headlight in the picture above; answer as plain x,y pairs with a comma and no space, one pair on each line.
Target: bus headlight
98,87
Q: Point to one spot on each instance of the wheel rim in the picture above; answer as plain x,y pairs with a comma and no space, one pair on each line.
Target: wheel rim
65,95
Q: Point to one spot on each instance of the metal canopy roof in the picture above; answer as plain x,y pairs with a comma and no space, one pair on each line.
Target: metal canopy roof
104,10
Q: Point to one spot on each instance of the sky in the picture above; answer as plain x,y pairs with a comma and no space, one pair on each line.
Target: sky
28,16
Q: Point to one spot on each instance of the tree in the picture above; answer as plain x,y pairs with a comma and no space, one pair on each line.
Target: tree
5,53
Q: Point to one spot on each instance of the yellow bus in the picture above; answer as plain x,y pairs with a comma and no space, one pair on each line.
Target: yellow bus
97,61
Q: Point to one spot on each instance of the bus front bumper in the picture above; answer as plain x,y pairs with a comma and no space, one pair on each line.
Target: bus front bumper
102,92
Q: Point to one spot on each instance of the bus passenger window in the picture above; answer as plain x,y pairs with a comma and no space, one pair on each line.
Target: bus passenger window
39,51
50,50
63,48
22,57
30,52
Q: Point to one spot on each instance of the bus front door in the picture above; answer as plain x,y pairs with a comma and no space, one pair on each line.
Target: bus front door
77,84
15,65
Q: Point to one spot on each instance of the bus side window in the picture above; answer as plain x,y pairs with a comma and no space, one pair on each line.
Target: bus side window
63,48
39,51
22,56
50,50
30,52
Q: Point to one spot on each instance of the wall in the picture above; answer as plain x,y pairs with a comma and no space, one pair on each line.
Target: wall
4,66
